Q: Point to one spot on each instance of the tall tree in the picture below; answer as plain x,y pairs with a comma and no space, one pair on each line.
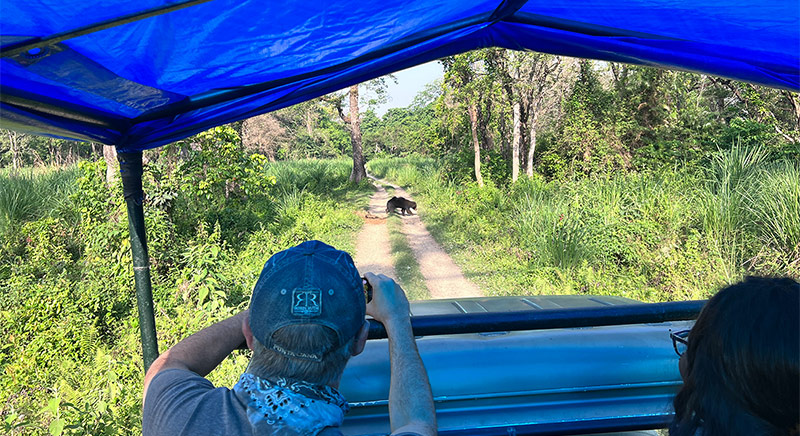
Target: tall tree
352,122
529,81
264,134
14,149
112,164
463,78
378,94
359,164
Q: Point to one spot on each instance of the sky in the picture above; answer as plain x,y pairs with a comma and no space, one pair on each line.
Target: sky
409,83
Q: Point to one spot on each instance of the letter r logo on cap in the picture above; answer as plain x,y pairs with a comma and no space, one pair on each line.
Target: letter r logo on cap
306,302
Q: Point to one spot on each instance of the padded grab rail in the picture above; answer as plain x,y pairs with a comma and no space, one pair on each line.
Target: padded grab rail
449,324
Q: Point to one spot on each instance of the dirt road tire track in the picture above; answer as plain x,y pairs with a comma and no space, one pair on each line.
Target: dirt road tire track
373,248
443,277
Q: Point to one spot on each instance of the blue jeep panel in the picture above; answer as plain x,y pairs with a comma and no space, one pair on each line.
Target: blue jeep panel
530,381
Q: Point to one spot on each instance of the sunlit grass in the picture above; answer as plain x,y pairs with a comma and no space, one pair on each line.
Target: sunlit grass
34,193
774,206
405,264
675,233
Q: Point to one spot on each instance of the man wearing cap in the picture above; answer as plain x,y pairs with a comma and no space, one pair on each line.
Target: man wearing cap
306,319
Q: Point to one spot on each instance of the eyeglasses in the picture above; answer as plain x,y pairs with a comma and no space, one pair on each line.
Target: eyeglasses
680,341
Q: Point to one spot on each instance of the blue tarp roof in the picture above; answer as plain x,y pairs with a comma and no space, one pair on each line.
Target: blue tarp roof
144,73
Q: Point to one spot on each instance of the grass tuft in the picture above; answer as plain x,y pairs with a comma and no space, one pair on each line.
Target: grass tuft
34,193
405,264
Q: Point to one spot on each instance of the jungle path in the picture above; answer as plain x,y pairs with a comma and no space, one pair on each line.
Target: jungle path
443,277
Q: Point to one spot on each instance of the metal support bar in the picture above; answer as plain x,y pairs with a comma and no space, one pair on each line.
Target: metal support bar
38,42
130,167
483,322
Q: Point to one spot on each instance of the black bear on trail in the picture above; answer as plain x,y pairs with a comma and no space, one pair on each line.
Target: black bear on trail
402,203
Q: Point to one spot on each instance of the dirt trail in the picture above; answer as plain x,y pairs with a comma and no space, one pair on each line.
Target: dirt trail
373,248
443,277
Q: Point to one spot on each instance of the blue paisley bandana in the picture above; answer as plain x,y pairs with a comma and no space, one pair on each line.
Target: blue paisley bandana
289,407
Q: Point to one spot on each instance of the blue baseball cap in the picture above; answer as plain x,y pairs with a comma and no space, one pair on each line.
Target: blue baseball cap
311,283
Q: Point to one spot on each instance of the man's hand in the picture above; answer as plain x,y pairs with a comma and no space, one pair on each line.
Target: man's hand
389,303
411,409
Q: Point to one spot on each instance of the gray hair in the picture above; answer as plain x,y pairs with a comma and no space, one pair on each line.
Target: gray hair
301,338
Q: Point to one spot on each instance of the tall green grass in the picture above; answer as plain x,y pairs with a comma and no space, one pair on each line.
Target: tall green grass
773,205
404,171
34,193
312,174
751,209
731,175
674,233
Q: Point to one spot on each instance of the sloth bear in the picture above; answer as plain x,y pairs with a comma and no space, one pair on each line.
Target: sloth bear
402,203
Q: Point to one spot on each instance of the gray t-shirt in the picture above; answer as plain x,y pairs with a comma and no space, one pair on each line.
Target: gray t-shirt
180,402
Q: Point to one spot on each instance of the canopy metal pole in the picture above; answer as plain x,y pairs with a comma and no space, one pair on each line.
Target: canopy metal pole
130,167
39,42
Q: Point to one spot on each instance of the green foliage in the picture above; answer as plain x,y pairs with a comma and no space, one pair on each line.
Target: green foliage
70,362
459,165
587,143
401,131
747,133
218,169
655,236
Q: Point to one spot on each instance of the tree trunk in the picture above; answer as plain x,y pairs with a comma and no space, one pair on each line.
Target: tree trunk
473,120
515,145
795,105
13,143
309,122
483,125
532,147
112,164
359,170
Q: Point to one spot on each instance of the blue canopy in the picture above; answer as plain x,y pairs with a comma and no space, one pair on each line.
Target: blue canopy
140,74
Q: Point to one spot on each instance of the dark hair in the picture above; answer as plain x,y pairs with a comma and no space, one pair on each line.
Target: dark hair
741,370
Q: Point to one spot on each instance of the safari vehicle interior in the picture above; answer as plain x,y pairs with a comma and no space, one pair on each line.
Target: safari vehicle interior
143,74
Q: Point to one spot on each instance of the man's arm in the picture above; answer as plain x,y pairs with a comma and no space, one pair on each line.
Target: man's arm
411,406
202,351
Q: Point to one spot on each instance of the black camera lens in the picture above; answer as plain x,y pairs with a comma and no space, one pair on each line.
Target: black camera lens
367,289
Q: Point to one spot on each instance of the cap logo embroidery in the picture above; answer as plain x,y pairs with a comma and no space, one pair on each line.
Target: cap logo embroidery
306,302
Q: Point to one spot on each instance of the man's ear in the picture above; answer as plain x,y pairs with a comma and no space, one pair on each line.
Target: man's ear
248,334
361,339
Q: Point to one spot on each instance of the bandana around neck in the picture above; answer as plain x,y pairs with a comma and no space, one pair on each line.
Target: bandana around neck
289,407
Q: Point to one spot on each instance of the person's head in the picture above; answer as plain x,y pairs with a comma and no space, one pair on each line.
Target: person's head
306,315
741,368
